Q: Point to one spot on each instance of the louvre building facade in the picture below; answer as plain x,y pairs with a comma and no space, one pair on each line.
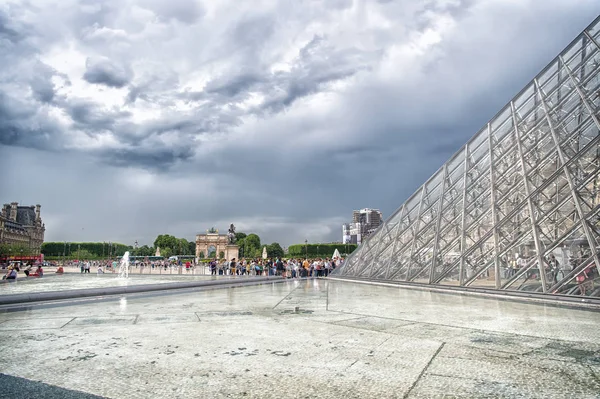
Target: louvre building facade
22,227
518,207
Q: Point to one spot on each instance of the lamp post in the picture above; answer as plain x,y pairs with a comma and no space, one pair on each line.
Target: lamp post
306,248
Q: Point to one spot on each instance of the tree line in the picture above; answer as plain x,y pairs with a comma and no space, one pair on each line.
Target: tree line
250,247
319,250
16,249
84,250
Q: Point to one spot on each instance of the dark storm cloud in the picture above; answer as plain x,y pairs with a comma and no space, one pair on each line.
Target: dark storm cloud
318,65
148,158
22,124
11,30
106,72
42,88
231,86
88,114
155,87
11,115
135,92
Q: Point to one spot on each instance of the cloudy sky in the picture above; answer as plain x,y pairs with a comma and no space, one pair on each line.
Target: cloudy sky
126,119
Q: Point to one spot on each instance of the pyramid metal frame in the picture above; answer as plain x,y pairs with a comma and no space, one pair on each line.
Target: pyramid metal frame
518,207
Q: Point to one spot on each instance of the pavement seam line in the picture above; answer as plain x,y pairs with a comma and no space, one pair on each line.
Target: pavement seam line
424,370
593,373
283,299
64,325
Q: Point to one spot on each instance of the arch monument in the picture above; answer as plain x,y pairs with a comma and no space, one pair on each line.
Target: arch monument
221,242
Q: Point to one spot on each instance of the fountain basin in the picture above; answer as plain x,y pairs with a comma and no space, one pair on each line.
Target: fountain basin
40,296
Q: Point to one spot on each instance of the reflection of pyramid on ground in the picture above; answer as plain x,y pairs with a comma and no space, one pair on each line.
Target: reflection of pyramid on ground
527,184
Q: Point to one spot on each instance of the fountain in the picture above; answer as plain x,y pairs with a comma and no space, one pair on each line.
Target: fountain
124,266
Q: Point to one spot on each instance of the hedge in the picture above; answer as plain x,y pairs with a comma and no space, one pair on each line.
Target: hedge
319,250
98,249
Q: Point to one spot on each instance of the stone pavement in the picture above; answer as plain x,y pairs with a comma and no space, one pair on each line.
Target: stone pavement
306,339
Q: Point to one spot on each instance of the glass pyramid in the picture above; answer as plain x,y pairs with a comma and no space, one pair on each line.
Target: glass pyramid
518,207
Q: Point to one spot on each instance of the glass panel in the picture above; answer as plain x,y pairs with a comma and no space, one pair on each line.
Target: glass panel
548,80
573,50
523,98
594,29
592,82
575,272
380,264
586,51
457,163
447,265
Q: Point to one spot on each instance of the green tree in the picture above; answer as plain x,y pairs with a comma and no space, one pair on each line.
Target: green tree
166,241
221,255
201,256
192,247
15,250
274,250
182,246
97,249
239,237
84,254
167,252
145,250
320,250
252,246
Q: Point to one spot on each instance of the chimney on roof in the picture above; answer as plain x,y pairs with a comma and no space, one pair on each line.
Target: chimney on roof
13,211
5,210
37,212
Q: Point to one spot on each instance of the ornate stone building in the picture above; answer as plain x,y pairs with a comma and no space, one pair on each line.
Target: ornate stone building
220,243
22,226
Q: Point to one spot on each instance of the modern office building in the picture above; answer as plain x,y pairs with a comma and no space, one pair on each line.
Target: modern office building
364,223
518,206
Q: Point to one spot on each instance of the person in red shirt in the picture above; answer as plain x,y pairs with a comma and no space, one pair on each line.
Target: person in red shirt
39,272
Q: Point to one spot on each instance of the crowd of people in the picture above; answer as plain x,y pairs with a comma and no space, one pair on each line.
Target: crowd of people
288,268
12,271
